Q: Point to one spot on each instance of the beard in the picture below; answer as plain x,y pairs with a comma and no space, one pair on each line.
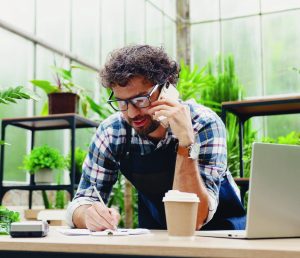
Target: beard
145,130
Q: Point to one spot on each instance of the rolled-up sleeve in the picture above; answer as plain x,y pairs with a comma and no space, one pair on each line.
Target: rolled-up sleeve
99,169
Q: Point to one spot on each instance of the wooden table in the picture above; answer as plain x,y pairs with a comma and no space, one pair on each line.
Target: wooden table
156,244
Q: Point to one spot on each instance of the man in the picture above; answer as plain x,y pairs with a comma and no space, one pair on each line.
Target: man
188,155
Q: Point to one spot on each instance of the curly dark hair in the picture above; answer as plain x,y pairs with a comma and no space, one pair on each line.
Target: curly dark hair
138,60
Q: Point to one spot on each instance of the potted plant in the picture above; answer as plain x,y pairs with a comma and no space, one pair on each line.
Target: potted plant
64,94
41,162
6,217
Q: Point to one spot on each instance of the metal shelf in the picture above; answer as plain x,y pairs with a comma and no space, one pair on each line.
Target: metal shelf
42,123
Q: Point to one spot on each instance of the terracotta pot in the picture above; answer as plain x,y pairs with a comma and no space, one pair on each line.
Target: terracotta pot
64,102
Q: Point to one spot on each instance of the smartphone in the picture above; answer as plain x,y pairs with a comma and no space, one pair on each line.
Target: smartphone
168,91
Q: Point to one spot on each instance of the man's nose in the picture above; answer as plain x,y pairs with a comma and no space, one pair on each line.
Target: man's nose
132,111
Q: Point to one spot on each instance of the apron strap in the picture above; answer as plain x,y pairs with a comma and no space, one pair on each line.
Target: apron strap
128,140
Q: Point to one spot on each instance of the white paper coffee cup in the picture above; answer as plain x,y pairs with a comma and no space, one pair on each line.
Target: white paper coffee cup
181,213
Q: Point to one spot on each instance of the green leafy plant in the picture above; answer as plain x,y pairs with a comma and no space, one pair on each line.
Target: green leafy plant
64,83
11,95
6,217
103,110
292,138
211,85
43,157
193,82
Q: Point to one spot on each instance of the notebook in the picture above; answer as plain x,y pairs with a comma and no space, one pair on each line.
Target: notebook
274,202
107,232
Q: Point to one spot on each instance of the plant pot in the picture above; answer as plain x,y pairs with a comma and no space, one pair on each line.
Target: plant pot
31,214
64,102
44,176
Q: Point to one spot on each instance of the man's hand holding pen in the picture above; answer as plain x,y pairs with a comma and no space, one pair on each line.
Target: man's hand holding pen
99,217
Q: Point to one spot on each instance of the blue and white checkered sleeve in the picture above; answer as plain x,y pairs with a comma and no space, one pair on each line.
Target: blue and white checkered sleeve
212,159
99,168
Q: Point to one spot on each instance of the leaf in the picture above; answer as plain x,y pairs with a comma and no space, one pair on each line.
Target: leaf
26,92
45,109
46,86
63,73
81,68
4,143
10,95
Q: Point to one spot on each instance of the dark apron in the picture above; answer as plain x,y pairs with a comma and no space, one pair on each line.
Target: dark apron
152,175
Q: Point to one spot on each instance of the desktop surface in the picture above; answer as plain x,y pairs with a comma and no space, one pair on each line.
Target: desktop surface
155,244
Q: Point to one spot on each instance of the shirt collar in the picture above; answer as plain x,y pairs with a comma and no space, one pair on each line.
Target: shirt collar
148,146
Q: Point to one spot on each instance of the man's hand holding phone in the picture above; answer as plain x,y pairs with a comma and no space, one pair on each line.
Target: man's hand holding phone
168,91
176,114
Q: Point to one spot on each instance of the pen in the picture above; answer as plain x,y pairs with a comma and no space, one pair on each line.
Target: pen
101,200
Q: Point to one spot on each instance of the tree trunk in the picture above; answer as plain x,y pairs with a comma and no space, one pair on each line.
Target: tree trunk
128,207
183,30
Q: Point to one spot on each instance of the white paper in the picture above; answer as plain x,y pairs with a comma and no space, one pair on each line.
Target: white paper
74,231
107,232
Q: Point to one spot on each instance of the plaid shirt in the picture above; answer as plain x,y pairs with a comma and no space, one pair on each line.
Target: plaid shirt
108,145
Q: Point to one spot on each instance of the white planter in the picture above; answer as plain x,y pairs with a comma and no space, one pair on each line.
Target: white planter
44,176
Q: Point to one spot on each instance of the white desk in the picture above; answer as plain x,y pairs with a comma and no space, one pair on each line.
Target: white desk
156,244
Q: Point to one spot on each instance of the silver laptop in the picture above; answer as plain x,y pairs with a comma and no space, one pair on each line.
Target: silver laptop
274,194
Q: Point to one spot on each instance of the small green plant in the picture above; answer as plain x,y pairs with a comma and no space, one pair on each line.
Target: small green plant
193,82
11,95
292,138
211,85
64,83
103,110
43,157
6,217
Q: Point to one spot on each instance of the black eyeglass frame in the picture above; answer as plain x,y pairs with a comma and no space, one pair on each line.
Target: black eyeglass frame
148,96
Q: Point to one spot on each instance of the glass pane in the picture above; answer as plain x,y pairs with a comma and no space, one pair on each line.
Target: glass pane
204,10
170,8
154,26
233,8
85,29
205,42
158,3
241,37
16,69
170,37
46,59
281,41
53,22
18,13
275,5
88,80
283,125
112,26
135,21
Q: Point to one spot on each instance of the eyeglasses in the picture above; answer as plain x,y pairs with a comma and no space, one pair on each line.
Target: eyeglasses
138,102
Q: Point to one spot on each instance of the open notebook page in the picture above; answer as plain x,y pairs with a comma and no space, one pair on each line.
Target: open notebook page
107,232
